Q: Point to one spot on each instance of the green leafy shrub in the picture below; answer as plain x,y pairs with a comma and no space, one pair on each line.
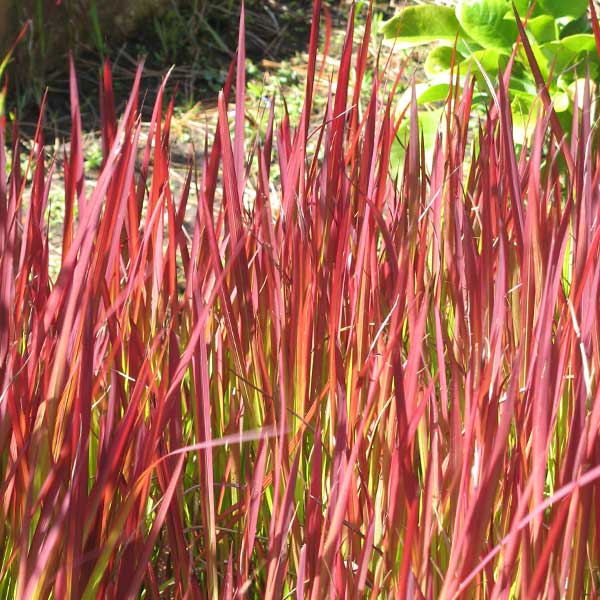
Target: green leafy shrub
485,32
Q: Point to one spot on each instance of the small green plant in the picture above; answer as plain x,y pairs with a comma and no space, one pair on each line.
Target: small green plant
485,33
93,157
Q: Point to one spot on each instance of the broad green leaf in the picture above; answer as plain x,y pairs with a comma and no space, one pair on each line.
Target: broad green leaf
523,8
439,60
484,22
434,93
431,91
564,8
466,46
566,53
581,25
422,24
543,28
523,87
541,58
489,60
558,55
581,42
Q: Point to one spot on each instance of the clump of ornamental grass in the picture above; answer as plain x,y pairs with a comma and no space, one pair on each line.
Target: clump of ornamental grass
385,388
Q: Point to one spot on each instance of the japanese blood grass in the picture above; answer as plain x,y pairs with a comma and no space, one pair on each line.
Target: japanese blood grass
386,389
